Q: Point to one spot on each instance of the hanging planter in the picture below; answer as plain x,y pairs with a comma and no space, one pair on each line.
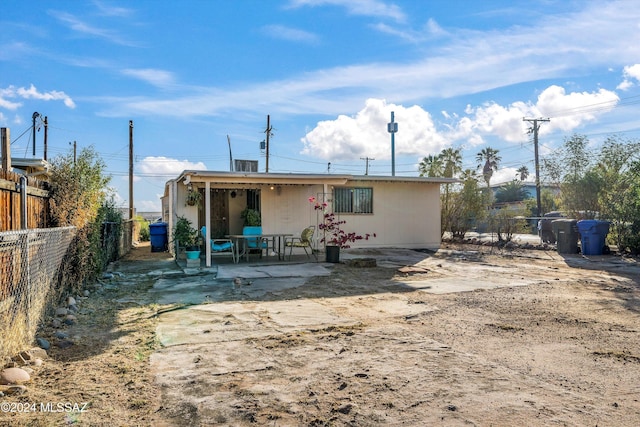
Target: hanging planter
193,198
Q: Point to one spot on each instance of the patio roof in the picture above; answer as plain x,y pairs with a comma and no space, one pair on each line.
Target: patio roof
221,177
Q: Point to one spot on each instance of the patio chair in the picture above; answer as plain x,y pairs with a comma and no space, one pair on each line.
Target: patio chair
220,246
255,244
304,241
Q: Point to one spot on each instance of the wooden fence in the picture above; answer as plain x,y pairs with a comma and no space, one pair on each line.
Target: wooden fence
37,213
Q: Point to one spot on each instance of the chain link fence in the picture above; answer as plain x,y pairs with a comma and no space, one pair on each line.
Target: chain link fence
30,267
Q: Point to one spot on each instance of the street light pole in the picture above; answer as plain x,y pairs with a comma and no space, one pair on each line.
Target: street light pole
392,128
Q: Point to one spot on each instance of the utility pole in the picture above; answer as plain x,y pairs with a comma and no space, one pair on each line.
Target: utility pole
268,132
34,117
534,130
46,134
366,159
131,169
5,135
230,156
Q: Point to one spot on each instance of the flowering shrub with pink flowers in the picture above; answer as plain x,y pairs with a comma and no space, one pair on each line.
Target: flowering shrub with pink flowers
331,225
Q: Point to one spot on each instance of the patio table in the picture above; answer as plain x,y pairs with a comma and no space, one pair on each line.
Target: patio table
277,243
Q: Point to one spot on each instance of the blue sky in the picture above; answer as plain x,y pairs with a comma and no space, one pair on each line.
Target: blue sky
329,73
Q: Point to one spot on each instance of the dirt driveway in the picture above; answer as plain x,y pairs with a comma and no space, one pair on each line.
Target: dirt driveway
461,337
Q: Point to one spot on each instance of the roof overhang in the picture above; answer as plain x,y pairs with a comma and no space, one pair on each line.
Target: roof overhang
30,166
256,178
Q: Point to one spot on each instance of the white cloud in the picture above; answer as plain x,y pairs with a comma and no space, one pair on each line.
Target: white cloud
569,111
166,167
148,205
82,27
366,134
374,8
8,105
566,112
152,76
504,175
630,73
32,93
108,10
290,34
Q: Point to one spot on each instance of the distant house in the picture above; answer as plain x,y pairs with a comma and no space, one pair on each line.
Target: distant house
38,168
402,211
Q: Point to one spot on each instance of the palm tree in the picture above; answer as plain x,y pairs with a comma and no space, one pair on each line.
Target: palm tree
469,174
491,161
431,166
511,192
523,173
452,162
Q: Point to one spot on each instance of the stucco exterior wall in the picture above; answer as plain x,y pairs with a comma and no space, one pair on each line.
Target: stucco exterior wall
404,214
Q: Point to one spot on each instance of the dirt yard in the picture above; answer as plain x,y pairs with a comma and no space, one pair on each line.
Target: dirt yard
557,343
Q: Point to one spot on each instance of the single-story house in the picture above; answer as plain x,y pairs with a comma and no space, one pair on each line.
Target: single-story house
402,211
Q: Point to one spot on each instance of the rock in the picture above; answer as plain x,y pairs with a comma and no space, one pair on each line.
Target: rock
38,353
62,311
14,376
73,308
15,390
61,335
71,301
69,321
345,409
42,343
64,344
86,293
37,362
107,276
56,323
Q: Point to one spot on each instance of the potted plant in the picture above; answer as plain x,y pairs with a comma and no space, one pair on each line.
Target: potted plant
335,237
187,237
251,217
193,197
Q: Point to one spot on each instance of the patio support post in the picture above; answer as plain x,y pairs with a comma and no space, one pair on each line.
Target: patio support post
207,222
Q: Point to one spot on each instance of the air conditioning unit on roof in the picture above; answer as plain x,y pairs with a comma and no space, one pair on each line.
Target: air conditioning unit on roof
246,165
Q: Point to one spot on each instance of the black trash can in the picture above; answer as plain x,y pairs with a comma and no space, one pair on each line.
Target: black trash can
158,236
567,236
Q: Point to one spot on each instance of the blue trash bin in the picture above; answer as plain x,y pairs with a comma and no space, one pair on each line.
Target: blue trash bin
593,234
158,236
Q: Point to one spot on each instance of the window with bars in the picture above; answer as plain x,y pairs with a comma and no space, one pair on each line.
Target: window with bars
353,200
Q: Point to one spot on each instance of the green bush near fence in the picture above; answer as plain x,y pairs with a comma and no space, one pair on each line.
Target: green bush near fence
144,235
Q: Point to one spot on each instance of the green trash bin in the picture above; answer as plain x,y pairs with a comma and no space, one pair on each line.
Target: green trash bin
567,235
